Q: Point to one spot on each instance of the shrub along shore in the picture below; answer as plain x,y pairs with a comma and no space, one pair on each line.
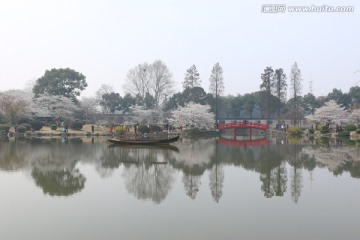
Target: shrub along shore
47,131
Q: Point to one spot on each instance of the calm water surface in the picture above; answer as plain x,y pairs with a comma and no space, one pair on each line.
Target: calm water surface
200,189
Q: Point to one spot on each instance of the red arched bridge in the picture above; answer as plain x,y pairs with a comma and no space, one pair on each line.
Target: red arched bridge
249,125
244,124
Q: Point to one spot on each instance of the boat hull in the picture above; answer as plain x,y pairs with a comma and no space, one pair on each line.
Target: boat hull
162,141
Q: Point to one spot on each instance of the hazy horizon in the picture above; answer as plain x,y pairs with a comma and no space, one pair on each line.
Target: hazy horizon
103,40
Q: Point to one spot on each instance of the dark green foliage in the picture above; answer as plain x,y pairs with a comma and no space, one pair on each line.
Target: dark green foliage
325,140
143,129
36,125
173,102
268,103
111,101
76,140
324,129
311,131
23,120
4,127
63,82
266,88
155,128
350,127
344,134
195,95
196,132
76,125
249,101
357,131
26,125
236,105
21,129
127,102
309,104
280,85
343,99
149,101
354,94
192,78
192,132
53,127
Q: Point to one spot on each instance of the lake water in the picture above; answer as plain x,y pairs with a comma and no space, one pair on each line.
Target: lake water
199,189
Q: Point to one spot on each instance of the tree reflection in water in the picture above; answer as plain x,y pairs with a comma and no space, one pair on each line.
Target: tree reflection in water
216,177
59,183
195,157
146,171
53,164
216,184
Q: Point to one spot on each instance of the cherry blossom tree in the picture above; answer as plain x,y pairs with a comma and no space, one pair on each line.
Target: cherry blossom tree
147,116
354,116
55,106
192,114
330,112
89,107
14,104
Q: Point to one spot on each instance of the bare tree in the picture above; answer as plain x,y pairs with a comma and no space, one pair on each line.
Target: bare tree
104,88
138,80
155,79
162,83
216,85
295,90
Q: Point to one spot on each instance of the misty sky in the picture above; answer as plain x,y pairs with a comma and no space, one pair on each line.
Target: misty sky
104,39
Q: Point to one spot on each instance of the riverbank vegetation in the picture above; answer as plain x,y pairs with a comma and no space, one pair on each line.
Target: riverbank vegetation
150,99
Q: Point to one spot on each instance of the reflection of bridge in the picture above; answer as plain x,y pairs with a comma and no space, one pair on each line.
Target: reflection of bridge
246,125
243,143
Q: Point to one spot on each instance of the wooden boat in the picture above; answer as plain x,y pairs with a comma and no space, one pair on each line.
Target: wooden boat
142,141
143,146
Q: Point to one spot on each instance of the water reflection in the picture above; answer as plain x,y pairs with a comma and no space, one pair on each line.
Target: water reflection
50,161
195,156
149,172
146,171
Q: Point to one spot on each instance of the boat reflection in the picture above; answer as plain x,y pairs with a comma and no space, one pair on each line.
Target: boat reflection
146,172
149,171
164,147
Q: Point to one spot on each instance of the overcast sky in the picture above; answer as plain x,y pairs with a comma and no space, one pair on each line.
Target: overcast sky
104,39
